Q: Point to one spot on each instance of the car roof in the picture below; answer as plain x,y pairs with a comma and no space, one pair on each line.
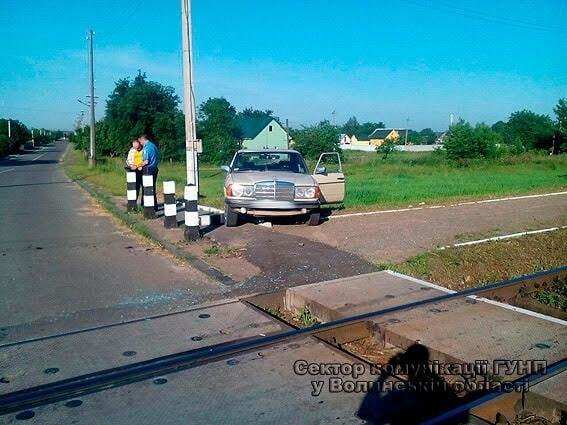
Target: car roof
268,150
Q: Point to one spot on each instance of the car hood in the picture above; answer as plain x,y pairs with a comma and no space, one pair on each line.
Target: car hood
252,177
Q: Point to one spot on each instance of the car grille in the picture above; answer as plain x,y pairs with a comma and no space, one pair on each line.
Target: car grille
278,190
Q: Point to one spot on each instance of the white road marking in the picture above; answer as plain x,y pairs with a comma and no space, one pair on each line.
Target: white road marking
5,171
484,201
476,297
497,238
39,156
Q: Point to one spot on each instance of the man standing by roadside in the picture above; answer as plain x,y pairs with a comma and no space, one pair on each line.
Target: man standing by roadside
150,161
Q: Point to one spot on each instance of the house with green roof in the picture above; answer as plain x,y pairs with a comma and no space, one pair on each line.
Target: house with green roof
262,133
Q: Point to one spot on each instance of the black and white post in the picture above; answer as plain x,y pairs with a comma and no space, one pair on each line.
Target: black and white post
169,206
191,231
131,192
148,194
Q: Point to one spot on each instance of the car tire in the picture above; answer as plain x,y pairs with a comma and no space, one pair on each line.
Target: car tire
314,218
230,217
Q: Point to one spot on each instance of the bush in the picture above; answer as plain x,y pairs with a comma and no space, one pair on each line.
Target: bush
465,142
314,140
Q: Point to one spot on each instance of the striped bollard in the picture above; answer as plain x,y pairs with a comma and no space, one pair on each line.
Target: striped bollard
169,206
131,194
191,213
148,191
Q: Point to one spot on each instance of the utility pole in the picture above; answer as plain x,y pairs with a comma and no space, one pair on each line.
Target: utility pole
9,128
189,97
407,125
287,131
92,148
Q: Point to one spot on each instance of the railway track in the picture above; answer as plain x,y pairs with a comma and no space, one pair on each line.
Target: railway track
110,378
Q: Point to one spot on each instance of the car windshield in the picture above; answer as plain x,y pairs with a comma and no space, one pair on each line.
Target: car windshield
269,161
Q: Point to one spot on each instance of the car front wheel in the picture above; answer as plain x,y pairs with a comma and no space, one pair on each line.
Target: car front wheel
230,217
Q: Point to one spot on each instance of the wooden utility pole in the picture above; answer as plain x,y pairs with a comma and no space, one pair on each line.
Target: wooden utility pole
189,97
92,147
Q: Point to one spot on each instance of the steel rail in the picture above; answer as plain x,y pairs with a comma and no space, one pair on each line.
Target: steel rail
109,378
531,379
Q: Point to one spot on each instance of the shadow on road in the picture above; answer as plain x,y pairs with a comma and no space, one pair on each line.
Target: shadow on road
424,395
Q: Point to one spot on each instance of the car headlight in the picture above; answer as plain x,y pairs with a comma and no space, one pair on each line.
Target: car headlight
305,192
242,191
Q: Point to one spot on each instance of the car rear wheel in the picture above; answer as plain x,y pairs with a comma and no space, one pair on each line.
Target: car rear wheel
314,218
230,217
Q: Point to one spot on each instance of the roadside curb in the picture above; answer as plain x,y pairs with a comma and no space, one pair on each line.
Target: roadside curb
141,229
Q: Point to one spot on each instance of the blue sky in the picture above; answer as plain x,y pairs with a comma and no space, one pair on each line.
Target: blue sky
379,60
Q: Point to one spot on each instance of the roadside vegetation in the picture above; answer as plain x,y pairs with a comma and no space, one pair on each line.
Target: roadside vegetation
11,141
405,179
477,161
467,266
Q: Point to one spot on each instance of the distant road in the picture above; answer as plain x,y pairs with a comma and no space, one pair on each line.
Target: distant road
64,263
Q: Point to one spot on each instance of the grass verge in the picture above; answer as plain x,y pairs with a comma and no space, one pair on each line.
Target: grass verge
467,266
72,164
404,178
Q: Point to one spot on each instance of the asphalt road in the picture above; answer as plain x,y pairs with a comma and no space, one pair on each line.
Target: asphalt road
66,264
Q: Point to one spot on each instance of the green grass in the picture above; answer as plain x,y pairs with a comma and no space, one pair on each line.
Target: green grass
403,179
465,266
410,178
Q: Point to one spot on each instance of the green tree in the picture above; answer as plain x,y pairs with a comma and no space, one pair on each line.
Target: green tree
533,131
313,140
427,136
141,106
464,142
386,148
19,135
368,127
351,126
218,130
256,113
561,124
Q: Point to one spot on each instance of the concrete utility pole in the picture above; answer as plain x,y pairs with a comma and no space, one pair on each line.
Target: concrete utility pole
189,97
407,126
92,148
287,131
9,128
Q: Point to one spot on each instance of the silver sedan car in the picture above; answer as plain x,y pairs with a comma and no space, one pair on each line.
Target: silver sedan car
268,183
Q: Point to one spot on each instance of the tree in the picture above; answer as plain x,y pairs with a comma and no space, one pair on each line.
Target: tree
561,124
464,142
313,140
141,106
533,131
351,126
368,127
386,148
427,136
256,113
500,127
218,130
19,135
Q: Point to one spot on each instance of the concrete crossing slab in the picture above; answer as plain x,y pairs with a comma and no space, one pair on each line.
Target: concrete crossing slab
461,330
28,364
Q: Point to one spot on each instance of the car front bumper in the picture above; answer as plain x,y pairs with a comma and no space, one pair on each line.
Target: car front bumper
271,207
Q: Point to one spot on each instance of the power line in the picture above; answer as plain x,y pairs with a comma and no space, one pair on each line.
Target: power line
470,13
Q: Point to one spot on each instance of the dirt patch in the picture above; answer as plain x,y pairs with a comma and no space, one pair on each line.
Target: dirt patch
286,260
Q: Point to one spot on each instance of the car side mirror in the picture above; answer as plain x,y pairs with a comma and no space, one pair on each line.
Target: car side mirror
225,168
320,170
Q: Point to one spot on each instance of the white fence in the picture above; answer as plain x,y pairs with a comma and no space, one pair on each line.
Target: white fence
402,148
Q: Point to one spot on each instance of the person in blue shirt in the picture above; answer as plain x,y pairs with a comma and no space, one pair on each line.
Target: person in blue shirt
150,161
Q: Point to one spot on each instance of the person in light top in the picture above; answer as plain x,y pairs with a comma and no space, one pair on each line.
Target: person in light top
134,163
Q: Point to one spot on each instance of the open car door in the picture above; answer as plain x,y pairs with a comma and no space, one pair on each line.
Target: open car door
332,183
